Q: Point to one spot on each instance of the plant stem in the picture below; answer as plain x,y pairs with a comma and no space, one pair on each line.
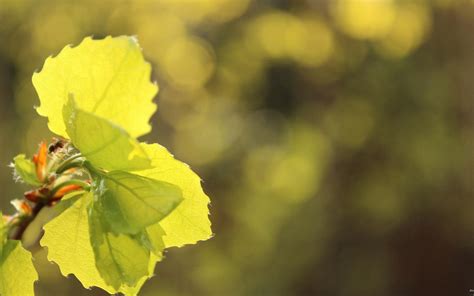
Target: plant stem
74,161
70,163
24,223
83,185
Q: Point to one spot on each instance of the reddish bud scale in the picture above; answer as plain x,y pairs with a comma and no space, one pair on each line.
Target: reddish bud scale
25,208
33,196
65,190
40,160
44,191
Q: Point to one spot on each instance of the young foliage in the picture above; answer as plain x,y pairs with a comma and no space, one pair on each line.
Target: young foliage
103,143
17,273
108,78
189,222
118,202
120,258
134,202
25,170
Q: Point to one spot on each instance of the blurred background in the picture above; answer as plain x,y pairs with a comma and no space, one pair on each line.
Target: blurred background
335,138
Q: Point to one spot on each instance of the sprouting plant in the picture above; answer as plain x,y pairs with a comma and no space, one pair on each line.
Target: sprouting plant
115,204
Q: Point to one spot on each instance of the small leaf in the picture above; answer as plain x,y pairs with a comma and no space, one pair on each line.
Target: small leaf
132,202
68,241
108,78
120,258
189,222
25,169
17,273
103,143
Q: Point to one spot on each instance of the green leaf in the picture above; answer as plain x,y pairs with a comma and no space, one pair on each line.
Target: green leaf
68,242
133,290
103,143
108,78
3,232
34,231
132,202
17,273
120,258
25,169
155,234
189,222
152,238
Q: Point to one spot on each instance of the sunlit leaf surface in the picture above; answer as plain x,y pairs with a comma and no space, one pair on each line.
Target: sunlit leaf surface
108,78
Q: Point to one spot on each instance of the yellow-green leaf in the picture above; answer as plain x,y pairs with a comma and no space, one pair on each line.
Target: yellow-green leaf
103,143
25,170
154,235
120,258
133,202
108,78
17,273
189,222
68,242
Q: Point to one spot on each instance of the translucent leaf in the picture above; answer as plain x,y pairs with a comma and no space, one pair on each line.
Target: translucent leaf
189,222
120,258
17,273
132,202
155,234
152,238
68,241
34,231
108,78
25,170
103,143
132,291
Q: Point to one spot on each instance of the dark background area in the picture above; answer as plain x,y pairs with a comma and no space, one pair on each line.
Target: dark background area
335,138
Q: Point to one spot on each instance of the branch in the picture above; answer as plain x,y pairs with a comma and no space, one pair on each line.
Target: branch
27,221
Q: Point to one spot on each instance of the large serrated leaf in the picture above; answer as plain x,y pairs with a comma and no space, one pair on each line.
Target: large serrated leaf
68,242
108,78
189,222
17,273
132,202
120,258
103,143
